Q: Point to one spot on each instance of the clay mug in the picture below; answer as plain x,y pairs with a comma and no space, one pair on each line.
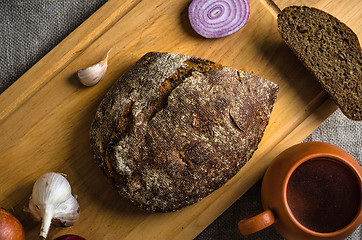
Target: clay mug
312,190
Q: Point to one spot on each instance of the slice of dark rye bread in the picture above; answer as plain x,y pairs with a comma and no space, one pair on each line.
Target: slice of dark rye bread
175,128
330,50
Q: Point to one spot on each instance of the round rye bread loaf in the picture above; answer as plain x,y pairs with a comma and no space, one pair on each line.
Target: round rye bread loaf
175,128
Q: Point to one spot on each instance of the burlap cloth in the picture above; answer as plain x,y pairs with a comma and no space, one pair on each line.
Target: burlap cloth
29,29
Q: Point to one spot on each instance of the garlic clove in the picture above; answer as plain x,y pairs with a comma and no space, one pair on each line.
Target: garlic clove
67,213
52,202
92,75
34,210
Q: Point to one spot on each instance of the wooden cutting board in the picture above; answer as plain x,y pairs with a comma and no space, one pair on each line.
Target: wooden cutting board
45,115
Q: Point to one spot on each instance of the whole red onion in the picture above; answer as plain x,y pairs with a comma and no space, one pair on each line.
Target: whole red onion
69,237
218,18
10,227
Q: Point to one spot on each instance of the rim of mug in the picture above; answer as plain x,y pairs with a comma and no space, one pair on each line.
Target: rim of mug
339,159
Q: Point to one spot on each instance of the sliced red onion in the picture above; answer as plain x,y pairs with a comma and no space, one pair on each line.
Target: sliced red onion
218,18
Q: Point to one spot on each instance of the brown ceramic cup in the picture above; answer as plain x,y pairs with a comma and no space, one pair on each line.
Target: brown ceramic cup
311,191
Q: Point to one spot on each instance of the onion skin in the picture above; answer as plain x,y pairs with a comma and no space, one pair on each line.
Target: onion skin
218,18
69,237
10,227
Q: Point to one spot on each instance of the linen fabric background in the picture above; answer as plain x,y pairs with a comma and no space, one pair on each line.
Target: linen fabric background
29,29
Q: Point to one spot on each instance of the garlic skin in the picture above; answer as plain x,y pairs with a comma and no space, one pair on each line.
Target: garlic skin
92,75
52,202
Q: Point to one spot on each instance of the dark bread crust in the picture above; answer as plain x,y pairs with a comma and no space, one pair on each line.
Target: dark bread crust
175,128
330,50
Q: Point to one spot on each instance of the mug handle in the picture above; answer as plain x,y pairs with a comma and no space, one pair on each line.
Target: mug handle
256,223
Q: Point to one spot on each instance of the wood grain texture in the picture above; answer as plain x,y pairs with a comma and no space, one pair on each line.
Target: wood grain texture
45,116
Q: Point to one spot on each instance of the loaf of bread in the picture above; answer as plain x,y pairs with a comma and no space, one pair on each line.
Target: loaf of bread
330,50
175,128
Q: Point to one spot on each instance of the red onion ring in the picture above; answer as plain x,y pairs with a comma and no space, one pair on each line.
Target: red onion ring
218,18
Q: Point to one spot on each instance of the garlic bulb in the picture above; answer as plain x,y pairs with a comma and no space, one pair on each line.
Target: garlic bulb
52,202
92,75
